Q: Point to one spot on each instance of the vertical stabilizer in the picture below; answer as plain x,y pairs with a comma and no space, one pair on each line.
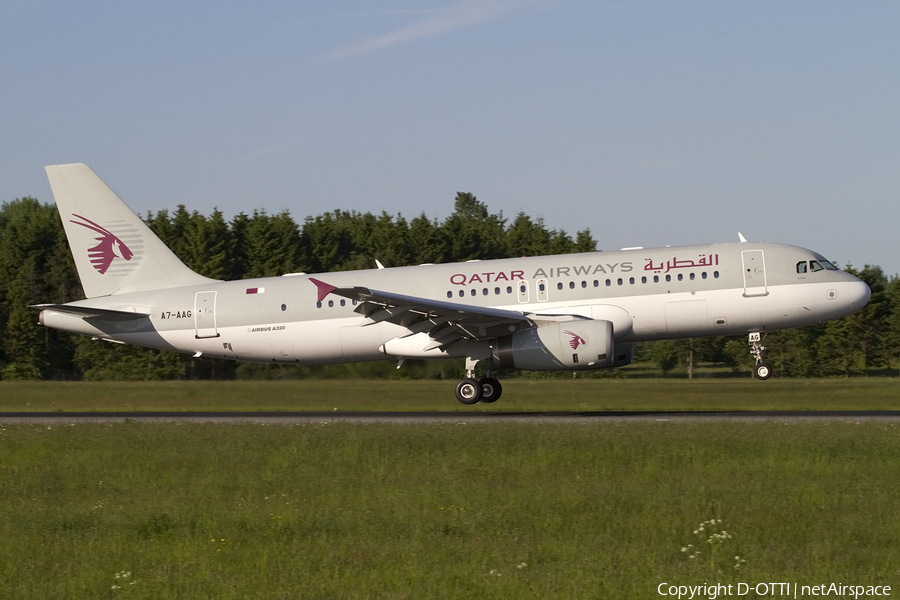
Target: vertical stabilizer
114,250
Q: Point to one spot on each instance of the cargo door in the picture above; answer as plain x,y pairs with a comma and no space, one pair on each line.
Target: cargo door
283,351
686,318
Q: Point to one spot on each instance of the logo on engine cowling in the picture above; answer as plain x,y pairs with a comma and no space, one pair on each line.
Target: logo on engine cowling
576,340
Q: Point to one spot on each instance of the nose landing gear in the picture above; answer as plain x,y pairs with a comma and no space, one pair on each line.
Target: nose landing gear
761,370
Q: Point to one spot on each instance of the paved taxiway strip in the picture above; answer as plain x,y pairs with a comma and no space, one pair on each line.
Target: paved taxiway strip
291,418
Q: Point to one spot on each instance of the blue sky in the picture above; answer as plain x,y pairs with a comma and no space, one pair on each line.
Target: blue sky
650,123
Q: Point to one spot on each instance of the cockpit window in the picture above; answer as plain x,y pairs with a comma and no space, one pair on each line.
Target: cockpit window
815,265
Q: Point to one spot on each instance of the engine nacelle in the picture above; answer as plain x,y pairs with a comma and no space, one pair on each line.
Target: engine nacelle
568,346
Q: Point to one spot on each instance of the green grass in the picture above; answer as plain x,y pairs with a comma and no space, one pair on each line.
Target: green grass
454,511
518,395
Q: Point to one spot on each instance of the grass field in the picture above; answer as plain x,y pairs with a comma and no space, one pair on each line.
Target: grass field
518,395
484,510
442,511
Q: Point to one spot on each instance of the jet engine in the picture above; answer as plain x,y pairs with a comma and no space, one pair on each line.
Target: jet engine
568,346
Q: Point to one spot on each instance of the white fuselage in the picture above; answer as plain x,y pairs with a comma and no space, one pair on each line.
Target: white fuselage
687,291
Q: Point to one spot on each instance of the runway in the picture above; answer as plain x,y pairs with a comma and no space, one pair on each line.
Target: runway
457,417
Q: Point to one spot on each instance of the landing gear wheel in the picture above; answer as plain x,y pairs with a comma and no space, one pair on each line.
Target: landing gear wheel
490,389
468,391
761,371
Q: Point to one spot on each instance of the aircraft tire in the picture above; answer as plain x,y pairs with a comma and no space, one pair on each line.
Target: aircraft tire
762,371
490,389
468,391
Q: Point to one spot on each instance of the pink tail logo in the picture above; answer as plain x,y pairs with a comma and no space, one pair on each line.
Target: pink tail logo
576,340
110,246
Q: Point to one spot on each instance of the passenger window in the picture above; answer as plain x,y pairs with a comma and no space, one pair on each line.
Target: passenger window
584,284
643,280
619,281
668,278
656,279
509,289
571,285
559,285
449,294
608,283
462,293
496,291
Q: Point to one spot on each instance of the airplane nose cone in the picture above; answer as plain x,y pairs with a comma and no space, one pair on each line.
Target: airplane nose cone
859,294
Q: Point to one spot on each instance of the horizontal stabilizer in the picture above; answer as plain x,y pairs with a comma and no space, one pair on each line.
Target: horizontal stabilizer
88,311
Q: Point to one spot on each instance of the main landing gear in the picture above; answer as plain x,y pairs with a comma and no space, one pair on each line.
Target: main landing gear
761,370
470,390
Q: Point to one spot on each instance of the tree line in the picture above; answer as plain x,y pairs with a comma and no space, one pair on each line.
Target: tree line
36,266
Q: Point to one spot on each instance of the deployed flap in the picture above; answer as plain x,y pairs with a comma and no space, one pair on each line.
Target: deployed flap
114,250
444,322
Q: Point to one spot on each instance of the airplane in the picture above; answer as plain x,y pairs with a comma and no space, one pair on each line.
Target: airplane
570,312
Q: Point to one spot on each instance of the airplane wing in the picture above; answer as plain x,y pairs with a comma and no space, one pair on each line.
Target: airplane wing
444,322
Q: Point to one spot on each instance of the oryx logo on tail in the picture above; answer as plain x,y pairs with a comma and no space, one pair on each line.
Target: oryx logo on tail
576,340
109,248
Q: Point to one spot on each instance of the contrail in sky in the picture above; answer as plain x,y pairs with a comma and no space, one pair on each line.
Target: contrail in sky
437,22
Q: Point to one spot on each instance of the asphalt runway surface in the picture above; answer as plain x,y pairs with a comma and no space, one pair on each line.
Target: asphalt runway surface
455,417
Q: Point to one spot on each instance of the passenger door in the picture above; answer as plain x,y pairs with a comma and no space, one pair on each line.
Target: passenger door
205,315
754,273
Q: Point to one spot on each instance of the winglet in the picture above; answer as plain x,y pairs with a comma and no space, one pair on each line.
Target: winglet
742,238
324,288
